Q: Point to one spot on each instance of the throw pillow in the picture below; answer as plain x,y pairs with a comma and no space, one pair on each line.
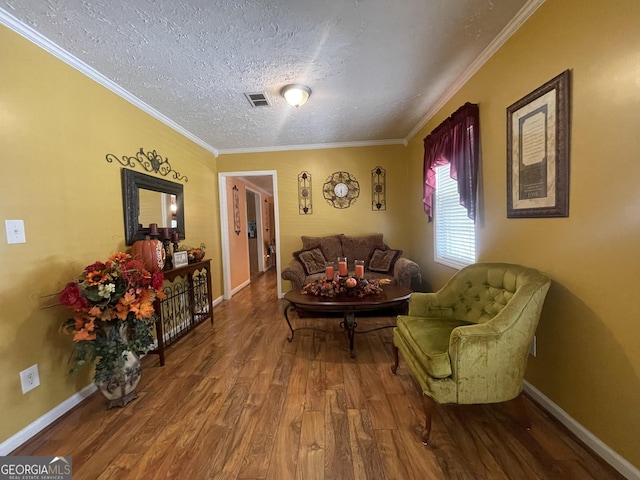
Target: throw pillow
383,261
312,260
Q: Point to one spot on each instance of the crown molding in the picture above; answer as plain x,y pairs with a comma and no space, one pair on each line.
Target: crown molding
314,146
43,42
30,34
523,15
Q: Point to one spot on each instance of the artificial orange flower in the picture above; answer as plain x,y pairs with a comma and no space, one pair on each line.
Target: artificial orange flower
120,257
145,311
83,335
97,277
79,322
128,298
90,326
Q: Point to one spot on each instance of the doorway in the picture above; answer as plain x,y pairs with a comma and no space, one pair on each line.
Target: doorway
225,230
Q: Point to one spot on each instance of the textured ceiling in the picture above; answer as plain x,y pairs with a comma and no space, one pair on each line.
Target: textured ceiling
375,67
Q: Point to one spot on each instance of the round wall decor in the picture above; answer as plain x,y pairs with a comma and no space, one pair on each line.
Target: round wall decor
341,189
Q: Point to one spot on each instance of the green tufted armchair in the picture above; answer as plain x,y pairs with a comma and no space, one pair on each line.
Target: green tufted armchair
469,342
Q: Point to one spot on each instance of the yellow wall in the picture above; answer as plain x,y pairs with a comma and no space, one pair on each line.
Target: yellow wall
56,127
355,220
588,358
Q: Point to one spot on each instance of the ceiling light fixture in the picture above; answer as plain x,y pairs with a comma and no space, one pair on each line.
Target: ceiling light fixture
296,95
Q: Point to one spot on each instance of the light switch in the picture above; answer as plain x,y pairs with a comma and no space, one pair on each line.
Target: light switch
15,231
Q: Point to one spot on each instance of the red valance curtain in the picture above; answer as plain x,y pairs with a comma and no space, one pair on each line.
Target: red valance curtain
454,141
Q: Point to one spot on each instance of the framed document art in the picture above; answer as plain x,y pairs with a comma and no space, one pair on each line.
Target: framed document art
236,210
538,130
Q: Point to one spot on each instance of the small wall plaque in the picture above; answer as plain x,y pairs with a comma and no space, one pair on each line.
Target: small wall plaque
378,189
304,194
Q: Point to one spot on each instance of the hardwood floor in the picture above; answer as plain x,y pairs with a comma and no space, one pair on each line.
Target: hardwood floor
237,401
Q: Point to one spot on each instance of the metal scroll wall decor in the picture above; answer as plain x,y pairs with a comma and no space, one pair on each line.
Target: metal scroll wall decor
304,194
267,214
236,210
378,189
150,161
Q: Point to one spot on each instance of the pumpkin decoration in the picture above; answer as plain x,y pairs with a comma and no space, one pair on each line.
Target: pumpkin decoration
150,253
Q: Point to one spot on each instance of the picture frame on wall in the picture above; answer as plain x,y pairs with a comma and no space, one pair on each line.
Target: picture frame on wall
236,210
538,134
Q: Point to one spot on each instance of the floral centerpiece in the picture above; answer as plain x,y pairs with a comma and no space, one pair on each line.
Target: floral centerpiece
194,254
345,285
113,314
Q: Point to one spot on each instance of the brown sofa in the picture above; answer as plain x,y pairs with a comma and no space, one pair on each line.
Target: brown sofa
381,261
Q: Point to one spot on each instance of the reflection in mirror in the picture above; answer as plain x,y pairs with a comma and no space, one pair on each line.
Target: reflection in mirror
157,207
150,200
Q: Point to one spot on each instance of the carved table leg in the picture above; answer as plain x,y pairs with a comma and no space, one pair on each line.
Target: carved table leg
350,325
286,317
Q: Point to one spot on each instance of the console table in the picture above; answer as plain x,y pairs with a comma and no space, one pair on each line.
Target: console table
189,302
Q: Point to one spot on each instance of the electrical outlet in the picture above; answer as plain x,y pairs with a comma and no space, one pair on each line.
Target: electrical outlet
29,378
533,350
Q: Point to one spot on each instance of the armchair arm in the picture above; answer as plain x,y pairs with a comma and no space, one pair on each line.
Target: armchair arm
428,305
486,363
295,274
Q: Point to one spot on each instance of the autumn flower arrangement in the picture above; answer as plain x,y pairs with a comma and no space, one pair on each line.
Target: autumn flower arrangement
113,313
349,286
194,254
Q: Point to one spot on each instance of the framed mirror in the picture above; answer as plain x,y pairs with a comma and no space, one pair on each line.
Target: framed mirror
147,200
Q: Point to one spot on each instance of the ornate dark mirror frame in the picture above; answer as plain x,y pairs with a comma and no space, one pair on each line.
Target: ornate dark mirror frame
131,183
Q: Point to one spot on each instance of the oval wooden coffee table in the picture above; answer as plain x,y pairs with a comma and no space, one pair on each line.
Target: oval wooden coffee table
392,296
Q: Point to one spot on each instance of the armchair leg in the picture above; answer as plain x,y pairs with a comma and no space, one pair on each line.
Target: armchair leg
517,409
428,404
396,357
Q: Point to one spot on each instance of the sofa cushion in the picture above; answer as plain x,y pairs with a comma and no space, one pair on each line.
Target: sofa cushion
360,248
331,245
428,339
383,261
312,260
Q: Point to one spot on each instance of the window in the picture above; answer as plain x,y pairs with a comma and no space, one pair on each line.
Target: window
455,233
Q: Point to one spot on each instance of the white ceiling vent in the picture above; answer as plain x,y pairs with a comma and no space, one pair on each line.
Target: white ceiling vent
258,99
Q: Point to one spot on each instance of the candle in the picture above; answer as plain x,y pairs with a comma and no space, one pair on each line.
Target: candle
342,266
165,233
175,238
329,270
153,229
359,269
